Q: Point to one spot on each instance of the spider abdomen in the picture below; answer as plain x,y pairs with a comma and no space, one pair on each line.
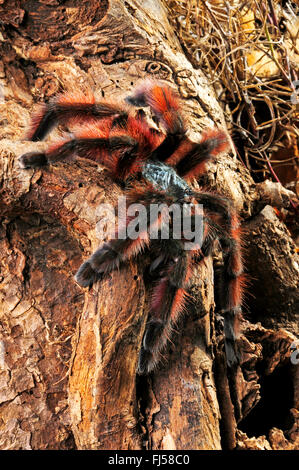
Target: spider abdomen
164,177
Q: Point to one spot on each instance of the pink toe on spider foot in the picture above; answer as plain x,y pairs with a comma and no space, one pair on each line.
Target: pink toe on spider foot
32,160
85,275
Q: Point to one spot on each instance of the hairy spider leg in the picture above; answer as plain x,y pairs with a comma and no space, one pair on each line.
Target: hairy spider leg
177,149
165,106
170,295
109,257
231,279
121,149
112,254
168,302
191,162
106,151
233,356
74,107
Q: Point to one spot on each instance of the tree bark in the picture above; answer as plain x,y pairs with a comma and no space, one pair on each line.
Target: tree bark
68,356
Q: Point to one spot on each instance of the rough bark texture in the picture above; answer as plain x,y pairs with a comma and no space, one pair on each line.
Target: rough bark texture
68,357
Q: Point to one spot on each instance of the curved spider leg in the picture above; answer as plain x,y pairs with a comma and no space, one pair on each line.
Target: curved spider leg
232,279
192,163
168,302
165,106
228,295
109,257
230,283
67,107
116,153
112,254
120,148
170,295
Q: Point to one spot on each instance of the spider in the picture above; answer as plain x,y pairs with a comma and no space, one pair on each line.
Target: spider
162,164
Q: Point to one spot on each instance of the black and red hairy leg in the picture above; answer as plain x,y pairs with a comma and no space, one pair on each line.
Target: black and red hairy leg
189,158
109,257
231,280
168,302
190,162
229,285
98,149
165,106
119,250
121,150
170,295
72,107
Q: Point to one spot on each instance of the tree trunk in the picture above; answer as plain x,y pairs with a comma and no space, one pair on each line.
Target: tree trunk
68,356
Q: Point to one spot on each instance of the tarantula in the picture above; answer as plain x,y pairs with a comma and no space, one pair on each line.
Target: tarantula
122,140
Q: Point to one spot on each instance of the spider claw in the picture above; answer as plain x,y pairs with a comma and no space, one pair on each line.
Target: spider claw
150,350
146,362
142,362
85,275
219,322
32,160
153,331
233,355
156,263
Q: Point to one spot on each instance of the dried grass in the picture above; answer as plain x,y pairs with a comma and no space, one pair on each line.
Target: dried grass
249,50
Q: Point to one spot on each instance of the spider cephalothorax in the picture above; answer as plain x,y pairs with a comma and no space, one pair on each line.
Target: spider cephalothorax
127,146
